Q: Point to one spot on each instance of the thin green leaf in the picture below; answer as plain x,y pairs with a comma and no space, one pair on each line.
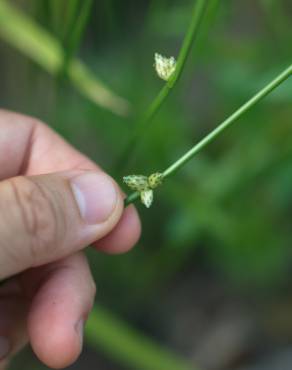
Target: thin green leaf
197,16
25,35
74,34
127,346
272,85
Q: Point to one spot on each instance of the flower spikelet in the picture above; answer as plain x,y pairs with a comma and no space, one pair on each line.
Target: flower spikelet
144,185
164,67
136,182
155,180
147,197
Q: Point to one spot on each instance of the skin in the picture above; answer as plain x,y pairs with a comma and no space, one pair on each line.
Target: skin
51,290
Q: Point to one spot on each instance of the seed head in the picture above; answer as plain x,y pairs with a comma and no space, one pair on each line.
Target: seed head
164,67
147,197
136,182
155,180
144,185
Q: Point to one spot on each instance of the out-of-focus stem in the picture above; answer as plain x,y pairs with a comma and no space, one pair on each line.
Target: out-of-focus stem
142,123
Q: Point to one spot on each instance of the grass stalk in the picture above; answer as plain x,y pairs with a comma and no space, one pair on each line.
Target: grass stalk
191,34
284,75
105,332
24,34
74,33
71,13
55,8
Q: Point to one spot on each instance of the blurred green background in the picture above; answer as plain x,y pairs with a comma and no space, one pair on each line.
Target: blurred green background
209,286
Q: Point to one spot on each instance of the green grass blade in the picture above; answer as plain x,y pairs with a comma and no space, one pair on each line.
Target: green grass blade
71,14
55,8
272,85
32,40
127,346
73,38
85,81
198,14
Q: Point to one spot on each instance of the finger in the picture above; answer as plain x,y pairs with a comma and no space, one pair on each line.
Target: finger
47,217
37,149
29,147
13,313
59,309
124,236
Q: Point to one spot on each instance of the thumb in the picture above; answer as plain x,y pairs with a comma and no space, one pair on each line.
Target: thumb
47,217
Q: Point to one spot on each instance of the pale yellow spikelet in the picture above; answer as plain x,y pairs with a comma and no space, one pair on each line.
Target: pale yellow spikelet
164,67
147,197
136,182
155,180
144,185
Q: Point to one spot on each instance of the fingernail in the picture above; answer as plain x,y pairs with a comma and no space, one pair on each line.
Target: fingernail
96,196
4,347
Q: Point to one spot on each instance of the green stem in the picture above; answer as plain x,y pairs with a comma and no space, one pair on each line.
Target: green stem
131,198
127,346
55,11
197,16
229,121
222,127
74,33
71,14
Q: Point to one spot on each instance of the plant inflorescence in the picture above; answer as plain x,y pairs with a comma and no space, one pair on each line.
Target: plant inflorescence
148,197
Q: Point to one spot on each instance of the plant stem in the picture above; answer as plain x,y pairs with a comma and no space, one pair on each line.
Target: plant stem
74,33
72,7
22,33
197,16
222,127
131,198
55,11
229,121
127,346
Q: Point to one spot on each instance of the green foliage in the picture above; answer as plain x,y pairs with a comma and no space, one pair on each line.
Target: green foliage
230,208
125,344
23,33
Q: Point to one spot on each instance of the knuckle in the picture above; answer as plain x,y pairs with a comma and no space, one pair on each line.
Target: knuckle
21,119
38,217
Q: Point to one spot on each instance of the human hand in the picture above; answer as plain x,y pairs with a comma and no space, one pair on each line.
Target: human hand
53,202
